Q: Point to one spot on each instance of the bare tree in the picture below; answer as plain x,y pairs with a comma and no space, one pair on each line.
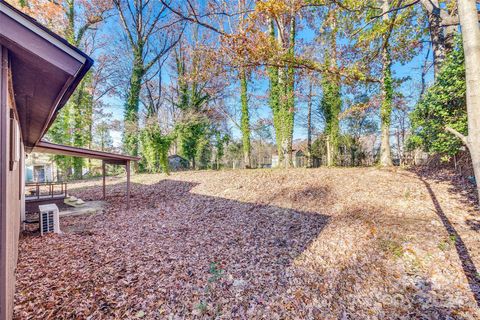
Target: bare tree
147,25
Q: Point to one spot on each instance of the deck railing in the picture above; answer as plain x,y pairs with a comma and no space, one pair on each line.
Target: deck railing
43,190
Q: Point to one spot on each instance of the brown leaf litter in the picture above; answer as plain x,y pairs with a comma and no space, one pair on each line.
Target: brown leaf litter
324,243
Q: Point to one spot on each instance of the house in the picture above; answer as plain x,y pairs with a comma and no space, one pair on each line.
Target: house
38,73
40,167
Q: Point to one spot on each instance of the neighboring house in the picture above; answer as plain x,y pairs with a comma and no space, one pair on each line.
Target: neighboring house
38,73
178,163
299,159
369,148
40,167
275,160
298,155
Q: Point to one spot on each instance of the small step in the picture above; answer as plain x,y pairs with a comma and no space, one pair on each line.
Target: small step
73,201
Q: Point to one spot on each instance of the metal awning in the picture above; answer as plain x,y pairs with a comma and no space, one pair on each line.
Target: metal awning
106,157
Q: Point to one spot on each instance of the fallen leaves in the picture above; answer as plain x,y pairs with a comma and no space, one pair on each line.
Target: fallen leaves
298,244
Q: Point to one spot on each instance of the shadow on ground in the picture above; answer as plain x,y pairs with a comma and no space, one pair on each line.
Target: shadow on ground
174,251
469,268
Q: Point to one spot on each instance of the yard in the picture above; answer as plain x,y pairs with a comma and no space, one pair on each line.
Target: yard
340,243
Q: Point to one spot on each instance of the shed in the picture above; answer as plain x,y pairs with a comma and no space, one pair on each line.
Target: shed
178,163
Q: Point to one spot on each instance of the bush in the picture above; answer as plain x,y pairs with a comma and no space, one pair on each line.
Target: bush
443,104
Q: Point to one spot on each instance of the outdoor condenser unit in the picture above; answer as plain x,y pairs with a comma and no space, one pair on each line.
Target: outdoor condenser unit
49,218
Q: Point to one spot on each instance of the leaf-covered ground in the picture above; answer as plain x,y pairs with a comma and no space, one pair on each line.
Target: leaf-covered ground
260,244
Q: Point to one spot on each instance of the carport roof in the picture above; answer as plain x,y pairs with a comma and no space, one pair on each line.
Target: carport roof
107,157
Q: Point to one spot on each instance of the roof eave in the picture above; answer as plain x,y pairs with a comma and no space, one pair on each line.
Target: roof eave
66,95
84,61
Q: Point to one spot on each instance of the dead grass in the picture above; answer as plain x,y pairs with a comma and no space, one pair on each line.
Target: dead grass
324,243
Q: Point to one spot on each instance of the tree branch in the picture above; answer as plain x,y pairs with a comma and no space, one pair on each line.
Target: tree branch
153,25
124,23
396,9
458,135
164,50
194,19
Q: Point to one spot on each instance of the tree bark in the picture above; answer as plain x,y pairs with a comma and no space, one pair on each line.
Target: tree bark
282,97
282,138
329,152
467,13
387,96
245,120
309,127
438,41
132,104
274,99
290,96
331,100
441,30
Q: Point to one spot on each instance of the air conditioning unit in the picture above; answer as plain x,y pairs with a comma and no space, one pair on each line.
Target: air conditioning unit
49,218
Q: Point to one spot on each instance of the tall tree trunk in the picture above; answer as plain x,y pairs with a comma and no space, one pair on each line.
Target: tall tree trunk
245,121
290,96
331,101
78,126
467,13
441,36
77,163
386,110
70,31
438,41
274,99
282,101
329,151
309,126
282,139
82,105
132,104
387,96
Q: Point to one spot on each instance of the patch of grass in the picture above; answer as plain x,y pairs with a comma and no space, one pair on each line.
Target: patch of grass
392,247
447,243
215,271
443,245
202,307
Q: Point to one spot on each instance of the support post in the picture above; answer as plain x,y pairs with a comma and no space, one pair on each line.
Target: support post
103,174
128,184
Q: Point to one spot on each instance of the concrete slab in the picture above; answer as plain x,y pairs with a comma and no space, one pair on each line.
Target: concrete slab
88,208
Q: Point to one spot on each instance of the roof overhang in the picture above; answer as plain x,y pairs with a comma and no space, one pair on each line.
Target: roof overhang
112,158
45,70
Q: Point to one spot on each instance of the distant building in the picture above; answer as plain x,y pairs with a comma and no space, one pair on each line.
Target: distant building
39,167
178,163
275,162
369,149
298,157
